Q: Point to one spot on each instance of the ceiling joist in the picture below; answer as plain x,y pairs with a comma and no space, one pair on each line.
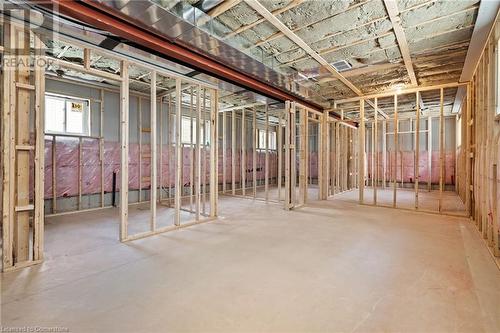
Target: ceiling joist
392,10
223,7
243,28
279,34
297,40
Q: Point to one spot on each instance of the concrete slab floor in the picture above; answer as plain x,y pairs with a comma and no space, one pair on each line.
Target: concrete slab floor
333,266
405,199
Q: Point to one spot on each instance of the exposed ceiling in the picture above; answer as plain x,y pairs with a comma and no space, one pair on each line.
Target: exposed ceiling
387,43
436,33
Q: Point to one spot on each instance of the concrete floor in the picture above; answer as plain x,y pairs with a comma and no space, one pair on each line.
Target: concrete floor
405,198
332,266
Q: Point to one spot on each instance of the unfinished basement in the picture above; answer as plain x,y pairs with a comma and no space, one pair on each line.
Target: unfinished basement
250,166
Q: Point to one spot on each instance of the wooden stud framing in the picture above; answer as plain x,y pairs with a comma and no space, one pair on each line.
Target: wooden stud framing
170,118
243,160
101,145
254,152
279,131
139,131
192,150
376,155
124,138
372,151
396,149
21,136
198,154
233,152
38,218
214,174
323,156
338,157
80,167
54,175
7,131
204,152
178,150
302,155
224,152
441,150
361,152
266,166
429,152
384,154
293,154
160,197
416,171
154,176
468,153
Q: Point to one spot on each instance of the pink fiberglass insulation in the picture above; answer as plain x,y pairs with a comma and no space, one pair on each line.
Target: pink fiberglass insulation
67,153
407,158
67,160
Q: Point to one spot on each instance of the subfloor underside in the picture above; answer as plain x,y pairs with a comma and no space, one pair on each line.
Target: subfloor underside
330,266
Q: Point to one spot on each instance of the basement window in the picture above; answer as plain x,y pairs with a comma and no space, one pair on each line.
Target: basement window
186,131
262,140
67,115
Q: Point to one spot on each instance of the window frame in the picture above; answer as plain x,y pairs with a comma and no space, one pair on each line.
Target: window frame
205,125
263,145
86,118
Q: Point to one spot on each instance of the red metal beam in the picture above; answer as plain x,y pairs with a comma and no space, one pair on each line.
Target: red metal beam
105,20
